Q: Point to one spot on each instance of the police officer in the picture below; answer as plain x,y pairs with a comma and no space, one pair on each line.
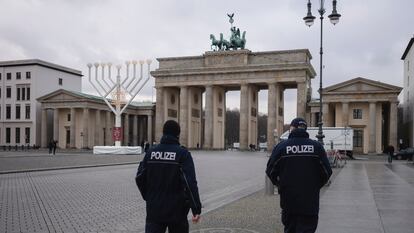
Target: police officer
167,182
299,168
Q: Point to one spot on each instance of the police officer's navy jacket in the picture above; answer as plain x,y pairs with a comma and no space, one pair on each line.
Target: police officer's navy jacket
167,182
299,168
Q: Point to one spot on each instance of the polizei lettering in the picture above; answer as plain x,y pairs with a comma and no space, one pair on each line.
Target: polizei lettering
299,149
158,155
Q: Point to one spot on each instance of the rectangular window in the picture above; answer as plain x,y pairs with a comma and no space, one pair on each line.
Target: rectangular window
8,76
0,76
69,117
18,75
18,111
27,93
0,93
17,136
18,93
8,135
8,92
8,112
357,113
358,137
28,75
27,134
28,111
60,82
23,93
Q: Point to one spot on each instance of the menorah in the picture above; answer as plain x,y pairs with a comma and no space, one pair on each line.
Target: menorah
118,89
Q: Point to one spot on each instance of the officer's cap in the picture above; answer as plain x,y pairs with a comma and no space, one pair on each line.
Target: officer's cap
299,123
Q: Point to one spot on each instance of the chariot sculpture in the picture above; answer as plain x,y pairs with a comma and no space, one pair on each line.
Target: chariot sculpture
235,42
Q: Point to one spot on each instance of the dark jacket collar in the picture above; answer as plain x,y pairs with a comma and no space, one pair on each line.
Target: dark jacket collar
298,133
169,139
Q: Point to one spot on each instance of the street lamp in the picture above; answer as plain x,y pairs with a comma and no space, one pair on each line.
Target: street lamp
309,19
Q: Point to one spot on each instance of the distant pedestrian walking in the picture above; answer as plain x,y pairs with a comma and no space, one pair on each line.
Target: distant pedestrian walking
50,146
299,168
167,182
390,152
55,142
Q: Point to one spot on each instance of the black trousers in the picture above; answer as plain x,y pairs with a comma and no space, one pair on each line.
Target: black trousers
295,223
181,227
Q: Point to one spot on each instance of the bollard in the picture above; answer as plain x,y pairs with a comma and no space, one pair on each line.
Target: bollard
269,187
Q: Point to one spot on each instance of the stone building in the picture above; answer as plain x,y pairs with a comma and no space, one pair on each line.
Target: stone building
367,106
21,83
79,120
408,98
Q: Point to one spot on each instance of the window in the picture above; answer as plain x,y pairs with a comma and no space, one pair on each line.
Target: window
18,75
69,117
27,134
357,113
0,93
17,136
8,92
358,137
8,112
18,111
60,82
0,76
27,93
28,76
18,93
7,135
27,111
23,93
8,76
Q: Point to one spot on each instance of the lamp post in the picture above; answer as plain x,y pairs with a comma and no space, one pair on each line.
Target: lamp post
309,19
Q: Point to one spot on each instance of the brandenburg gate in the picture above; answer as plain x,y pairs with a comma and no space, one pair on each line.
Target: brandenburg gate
181,81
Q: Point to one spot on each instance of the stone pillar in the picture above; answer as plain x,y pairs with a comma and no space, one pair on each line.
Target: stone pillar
108,126
85,130
43,133
183,116
372,127
271,115
244,116
301,100
208,125
313,121
159,114
56,124
345,114
98,128
149,129
126,129
325,115
72,143
393,140
135,131
141,130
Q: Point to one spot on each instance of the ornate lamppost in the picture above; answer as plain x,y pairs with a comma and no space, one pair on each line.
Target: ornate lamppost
309,19
105,86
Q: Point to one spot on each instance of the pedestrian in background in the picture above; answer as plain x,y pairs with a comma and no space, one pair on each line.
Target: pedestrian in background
167,182
55,142
50,146
299,168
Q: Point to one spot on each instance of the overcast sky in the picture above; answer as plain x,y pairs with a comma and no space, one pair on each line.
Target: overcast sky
368,41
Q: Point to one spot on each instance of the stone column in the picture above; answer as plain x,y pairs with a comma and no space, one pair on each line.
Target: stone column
301,99
372,127
208,123
44,129
313,121
149,129
126,129
183,116
141,130
56,124
271,115
345,114
159,114
72,143
98,128
135,131
393,124
325,115
244,116
108,126
85,130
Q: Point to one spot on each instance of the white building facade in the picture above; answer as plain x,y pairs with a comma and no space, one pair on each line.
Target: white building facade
21,83
408,58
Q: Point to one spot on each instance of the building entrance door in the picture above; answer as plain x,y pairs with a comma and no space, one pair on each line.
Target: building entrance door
67,138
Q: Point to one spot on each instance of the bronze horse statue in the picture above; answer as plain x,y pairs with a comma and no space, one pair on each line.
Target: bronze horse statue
218,44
